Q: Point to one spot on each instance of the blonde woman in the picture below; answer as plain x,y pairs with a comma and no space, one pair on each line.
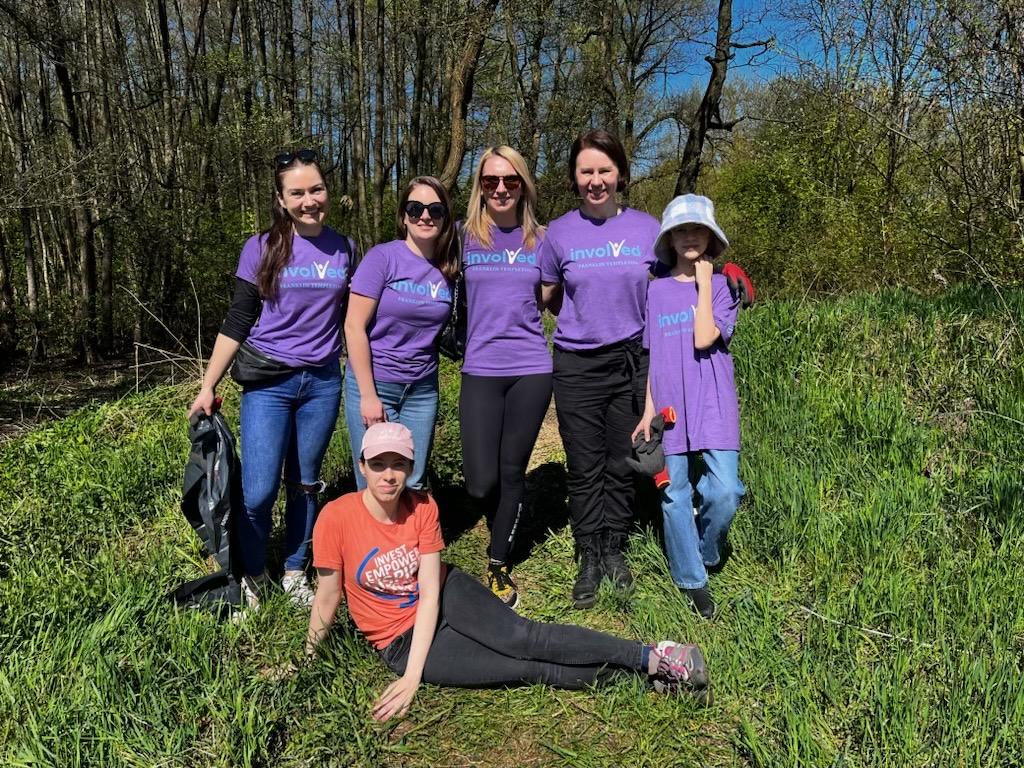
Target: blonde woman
506,375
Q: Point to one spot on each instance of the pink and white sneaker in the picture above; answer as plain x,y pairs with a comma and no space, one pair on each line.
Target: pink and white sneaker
681,668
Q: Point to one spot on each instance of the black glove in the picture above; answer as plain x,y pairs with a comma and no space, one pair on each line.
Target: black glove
650,458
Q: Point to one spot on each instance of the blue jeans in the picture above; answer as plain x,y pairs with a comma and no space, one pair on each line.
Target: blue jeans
692,544
287,422
414,405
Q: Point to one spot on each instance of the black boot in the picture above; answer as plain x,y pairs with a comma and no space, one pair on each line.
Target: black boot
614,561
588,553
702,601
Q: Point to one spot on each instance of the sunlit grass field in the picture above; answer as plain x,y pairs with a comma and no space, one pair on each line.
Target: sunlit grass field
872,614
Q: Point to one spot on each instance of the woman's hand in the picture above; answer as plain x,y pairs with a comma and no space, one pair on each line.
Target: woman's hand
372,410
396,699
644,427
203,402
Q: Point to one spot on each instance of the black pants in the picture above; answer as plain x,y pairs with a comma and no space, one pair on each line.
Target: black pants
499,417
599,397
482,643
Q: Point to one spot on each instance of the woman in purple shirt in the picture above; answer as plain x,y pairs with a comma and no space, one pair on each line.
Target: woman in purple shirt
506,375
290,291
601,254
401,298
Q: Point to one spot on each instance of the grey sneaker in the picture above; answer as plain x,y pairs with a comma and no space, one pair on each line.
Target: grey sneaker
681,668
297,588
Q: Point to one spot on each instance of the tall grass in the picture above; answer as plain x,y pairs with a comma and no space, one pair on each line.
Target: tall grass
871,614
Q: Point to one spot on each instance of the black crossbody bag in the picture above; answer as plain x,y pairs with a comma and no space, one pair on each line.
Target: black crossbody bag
253,367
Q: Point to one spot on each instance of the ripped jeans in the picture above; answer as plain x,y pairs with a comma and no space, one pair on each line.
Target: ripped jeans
287,422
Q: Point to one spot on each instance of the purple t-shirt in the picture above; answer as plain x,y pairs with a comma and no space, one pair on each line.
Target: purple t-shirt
302,325
504,335
413,303
698,383
604,266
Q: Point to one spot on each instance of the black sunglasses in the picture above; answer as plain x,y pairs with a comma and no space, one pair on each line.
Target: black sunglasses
287,158
414,209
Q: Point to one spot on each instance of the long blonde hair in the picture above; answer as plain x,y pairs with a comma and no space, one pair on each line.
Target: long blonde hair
478,219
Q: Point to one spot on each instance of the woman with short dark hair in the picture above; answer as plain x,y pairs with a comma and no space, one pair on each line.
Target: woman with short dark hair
601,255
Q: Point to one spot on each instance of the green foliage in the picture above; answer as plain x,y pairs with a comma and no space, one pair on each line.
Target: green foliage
871,614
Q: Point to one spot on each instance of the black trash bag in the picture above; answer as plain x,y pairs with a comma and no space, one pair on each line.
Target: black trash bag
211,499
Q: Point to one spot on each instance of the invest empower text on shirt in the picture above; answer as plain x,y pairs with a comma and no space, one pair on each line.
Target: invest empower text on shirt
698,383
379,562
302,325
413,302
604,267
504,335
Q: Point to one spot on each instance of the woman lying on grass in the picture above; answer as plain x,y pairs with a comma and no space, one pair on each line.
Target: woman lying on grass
430,621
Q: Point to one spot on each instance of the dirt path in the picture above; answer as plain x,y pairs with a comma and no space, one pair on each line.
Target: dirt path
31,394
549,443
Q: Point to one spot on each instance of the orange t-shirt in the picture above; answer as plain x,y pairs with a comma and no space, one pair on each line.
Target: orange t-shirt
379,562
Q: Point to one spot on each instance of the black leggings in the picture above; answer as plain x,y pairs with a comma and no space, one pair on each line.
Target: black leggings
499,418
482,643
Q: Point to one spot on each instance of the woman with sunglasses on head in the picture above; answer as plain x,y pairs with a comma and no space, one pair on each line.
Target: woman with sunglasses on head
601,255
401,298
286,316
506,374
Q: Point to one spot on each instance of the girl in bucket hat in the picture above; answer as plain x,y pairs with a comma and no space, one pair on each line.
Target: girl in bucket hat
691,315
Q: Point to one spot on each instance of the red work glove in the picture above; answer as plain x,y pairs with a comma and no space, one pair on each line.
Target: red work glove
740,286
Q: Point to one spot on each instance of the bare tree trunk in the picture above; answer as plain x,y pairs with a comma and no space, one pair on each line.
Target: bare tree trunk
106,314
379,127
288,66
8,314
82,217
38,350
355,31
462,88
418,84
708,114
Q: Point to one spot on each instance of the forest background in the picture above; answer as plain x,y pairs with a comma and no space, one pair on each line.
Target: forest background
867,161
848,144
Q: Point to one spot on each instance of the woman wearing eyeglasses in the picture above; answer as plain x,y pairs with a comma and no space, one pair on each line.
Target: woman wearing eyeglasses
401,297
506,374
600,255
286,318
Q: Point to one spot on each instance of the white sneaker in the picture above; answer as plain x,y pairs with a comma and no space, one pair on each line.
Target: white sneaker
252,588
297,588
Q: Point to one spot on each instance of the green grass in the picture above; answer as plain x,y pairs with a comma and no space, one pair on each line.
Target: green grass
871,615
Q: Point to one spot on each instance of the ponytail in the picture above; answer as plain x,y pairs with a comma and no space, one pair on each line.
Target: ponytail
277,252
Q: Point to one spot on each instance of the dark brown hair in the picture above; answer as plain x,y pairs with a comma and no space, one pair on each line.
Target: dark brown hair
602,141
278,249
446,255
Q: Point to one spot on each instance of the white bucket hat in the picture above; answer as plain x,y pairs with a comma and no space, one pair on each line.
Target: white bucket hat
688,209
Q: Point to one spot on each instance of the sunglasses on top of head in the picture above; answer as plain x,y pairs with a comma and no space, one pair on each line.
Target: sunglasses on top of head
490,183
414,209
287,158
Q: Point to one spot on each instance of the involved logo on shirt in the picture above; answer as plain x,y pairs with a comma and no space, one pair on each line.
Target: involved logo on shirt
318,274
611,254
422,292
507,258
